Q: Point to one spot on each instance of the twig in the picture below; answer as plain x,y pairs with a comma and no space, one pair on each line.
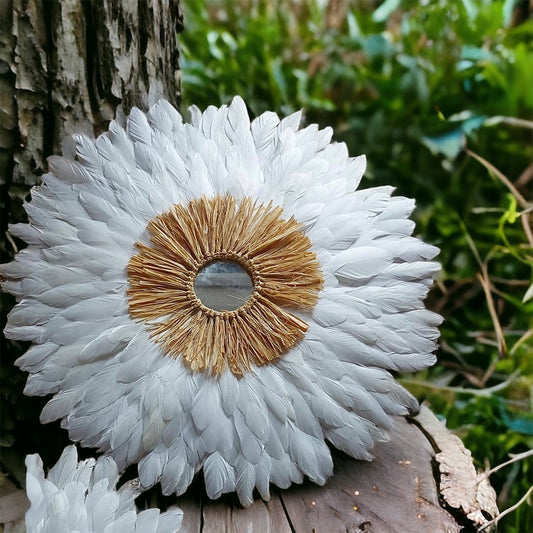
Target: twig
526,175
521,340
507,511
515,458
488,391
511,282
472,246
493,170
522,202
483,278
11,241
511,121
524,218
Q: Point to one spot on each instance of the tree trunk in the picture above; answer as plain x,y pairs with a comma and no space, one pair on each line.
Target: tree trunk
69,66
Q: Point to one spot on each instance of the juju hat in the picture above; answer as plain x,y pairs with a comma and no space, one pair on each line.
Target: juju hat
220,294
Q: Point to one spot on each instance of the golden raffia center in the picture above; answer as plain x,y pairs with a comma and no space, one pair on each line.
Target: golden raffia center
276,254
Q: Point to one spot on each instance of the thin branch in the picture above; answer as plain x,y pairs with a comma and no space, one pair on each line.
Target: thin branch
525,177
511,282
522,202
493,170
472,246
12,242
515,458
483,278
509,510
521,340
511,121
488,391
526,224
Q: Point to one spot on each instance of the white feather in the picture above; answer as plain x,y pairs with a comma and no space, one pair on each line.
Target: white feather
152,466
169,521
353,173
164,117
352,440
291,122
262,477
251,447
205,405
88,155
219,435
59,406
245,481
178,473
359,263
311,455
263,132
68,171
147,521
218,475
229,392
417,270
138,128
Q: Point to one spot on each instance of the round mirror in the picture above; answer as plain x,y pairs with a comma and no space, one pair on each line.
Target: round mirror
223,285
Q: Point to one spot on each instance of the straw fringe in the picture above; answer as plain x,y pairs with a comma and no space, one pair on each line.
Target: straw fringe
275,253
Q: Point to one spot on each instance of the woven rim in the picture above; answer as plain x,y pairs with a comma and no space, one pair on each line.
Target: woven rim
275,253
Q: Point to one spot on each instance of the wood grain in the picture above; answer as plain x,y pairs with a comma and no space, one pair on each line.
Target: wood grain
394,493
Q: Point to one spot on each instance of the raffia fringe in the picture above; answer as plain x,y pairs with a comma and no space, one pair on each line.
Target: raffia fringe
275,253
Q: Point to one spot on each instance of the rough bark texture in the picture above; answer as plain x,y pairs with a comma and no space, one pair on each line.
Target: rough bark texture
67,65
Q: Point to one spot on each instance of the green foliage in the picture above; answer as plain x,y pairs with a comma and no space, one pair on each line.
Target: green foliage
412,85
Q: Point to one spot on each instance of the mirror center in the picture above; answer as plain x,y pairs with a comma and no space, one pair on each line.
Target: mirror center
223,285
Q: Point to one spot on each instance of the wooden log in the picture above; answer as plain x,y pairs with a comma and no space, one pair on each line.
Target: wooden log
65,67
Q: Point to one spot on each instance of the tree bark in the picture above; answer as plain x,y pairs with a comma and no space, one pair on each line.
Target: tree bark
66,66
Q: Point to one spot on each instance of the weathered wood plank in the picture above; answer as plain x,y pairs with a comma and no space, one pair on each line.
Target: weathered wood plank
394,493
217,517
261,517
226,516
192,514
